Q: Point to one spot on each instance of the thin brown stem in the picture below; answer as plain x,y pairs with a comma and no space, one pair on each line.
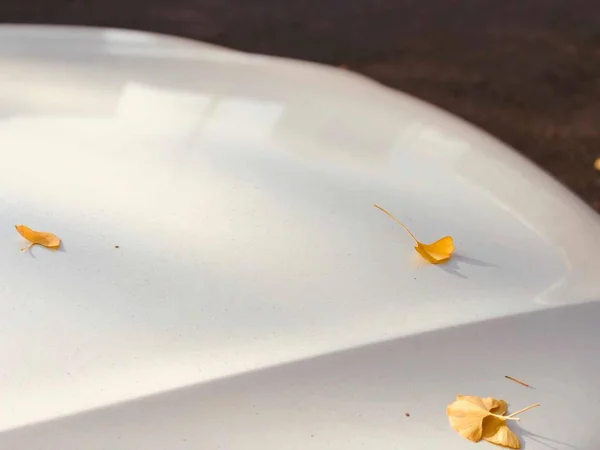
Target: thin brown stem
516,380
397,221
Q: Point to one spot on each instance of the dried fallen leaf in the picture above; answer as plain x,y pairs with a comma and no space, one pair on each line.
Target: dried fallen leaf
597,164
47,240
436,253
496,431
476,418
466,416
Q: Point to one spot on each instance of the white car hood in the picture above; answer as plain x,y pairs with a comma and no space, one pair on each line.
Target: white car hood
225,282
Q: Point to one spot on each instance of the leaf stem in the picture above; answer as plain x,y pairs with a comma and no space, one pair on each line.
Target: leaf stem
516,419
397,221
522,383
512,416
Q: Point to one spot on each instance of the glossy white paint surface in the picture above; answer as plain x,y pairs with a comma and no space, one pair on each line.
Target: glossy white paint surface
252,270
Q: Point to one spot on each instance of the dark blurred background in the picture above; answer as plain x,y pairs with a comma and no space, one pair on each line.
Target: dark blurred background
527,71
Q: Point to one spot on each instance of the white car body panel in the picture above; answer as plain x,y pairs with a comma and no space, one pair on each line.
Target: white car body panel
256,299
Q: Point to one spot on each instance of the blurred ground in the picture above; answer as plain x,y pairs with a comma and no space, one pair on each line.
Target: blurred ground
527,71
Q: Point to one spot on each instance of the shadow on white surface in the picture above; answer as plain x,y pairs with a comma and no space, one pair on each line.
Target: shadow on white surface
359,397
457,260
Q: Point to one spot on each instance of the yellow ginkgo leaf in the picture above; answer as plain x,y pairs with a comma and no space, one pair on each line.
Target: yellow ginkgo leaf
436,253
496,406
476,418
466,416
47,240
496,431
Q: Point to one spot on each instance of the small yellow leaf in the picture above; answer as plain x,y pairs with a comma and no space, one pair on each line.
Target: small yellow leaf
47,240
495,406
476,418
496,431
436,253
466,416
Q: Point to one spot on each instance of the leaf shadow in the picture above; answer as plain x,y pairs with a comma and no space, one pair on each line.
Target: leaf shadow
549,443
453,266
457,257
